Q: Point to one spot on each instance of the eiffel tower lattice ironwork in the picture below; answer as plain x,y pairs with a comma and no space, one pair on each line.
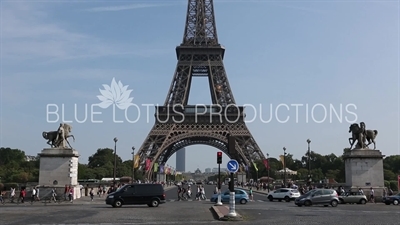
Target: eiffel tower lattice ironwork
178,124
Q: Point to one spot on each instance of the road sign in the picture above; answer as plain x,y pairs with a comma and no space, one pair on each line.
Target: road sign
233,166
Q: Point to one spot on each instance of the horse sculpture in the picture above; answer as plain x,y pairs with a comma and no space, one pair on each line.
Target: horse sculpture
54,140
359,135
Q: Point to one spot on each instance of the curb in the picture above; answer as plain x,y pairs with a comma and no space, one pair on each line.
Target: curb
216,210
223,217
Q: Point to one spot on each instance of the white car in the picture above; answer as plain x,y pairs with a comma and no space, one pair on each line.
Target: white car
286,194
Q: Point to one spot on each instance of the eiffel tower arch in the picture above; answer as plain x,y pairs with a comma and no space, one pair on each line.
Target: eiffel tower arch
178,124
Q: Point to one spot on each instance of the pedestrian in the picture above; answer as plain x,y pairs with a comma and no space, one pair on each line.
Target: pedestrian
371,195
71,194
179,192
1,197
33,195
12,195
22,195
251,193
53,195
91,194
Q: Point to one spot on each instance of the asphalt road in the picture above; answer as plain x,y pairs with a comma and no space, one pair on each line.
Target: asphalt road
260,211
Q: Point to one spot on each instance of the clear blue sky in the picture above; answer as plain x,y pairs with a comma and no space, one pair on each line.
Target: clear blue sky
277,52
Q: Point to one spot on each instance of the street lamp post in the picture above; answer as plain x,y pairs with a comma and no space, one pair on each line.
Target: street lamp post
115,159
284,166
133,166
268,172
309,164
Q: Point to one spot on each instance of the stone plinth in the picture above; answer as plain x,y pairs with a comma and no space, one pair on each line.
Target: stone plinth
364,169
59,167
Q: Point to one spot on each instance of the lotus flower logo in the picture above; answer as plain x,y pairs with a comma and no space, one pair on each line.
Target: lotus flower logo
116,94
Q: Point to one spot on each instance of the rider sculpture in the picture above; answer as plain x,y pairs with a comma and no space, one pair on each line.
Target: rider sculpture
59,138
361,135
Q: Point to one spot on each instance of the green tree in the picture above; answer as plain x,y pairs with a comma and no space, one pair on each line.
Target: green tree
8,155
389,175
102,157
392,163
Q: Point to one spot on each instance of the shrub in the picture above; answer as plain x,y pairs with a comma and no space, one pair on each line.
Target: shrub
387,183
393,185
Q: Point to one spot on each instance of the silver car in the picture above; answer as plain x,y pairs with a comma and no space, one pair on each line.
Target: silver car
324,197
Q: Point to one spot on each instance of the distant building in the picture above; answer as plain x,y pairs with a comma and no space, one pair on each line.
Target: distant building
180,160
214,170
208,170
198,171
31,158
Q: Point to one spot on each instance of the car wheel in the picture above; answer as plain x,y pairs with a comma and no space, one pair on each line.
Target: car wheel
117,203
307,203
287,199
243,201
395,202
154,203
363,201
334,203
270,198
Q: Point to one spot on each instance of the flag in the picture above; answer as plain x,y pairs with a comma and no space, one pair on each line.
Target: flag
167,171
136,164
155,167
148,162
282,160
240,168
246,168
255,166
265,161
398,182
161,168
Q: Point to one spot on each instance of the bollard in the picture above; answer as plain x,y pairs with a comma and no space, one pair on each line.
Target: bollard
219,198
232,212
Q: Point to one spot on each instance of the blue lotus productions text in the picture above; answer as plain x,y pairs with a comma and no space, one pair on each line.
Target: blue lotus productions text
267,113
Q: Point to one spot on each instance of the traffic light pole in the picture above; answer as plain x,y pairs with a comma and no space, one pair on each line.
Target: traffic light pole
219,185
232,212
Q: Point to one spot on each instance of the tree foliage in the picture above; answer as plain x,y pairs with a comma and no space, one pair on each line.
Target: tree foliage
14,168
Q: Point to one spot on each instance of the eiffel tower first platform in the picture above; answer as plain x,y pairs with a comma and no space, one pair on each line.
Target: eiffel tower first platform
178,124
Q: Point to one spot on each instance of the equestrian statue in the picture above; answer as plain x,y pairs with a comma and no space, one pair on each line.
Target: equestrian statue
59,138
361,135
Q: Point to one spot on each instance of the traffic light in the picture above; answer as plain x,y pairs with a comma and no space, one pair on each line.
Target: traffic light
219,157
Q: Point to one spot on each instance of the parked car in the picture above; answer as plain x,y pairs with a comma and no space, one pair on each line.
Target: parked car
137,194
241,196
324,197
393,199
286,194
353,197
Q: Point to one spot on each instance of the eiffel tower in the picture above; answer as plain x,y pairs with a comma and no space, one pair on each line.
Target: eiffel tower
178,124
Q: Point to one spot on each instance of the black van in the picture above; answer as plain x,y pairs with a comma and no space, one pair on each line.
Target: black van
137,194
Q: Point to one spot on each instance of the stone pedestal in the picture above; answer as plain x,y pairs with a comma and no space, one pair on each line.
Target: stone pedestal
364,169
59,167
